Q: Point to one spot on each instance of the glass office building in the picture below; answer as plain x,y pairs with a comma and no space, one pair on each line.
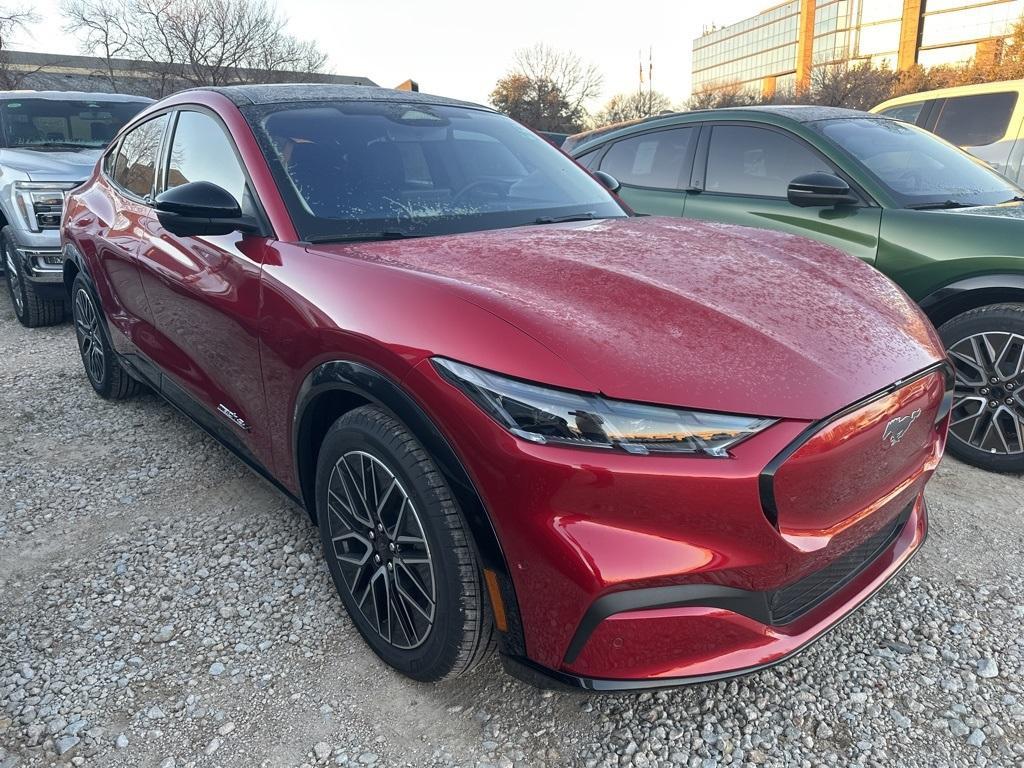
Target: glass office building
780,47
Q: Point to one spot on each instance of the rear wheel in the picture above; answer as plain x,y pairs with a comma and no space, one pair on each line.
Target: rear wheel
102,367
31,309
398,549
986,346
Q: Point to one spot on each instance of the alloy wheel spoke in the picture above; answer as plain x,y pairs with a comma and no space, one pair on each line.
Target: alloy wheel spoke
401,611
380,549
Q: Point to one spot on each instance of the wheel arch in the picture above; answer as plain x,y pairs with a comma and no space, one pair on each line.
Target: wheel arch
74,264
970,293
336,387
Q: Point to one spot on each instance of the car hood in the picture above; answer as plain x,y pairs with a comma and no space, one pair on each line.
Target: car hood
702,315
71,165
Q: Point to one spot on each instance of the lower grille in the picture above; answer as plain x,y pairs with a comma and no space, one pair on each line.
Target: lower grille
792,601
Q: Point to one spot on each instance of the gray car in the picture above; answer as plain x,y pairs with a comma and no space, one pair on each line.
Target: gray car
49,143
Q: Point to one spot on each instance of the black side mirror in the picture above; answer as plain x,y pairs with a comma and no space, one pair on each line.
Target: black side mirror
820,190
608,181
201,208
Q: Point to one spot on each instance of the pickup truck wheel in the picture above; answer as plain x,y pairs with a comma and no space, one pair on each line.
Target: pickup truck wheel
102,367
31,309
986,346
398,549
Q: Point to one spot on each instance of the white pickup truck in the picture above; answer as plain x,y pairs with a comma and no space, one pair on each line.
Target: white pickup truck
49,143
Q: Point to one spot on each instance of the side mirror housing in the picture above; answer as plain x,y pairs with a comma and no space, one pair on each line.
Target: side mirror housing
820,190
608,181
201,208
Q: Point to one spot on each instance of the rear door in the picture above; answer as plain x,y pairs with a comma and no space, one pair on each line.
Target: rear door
653,168
128,181
205,293
742,174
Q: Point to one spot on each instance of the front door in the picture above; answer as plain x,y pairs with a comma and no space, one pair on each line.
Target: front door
747,173
204,293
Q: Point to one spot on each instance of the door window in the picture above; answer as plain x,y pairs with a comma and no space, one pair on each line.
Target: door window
744,160
907,112
652,159
201,151
589,159
974,121
135,167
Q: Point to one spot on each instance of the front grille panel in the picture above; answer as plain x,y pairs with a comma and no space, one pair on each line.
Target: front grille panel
794,600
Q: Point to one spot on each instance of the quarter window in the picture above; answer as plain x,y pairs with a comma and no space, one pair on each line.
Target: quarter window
201,151
975,121
135,167
744,160
652,159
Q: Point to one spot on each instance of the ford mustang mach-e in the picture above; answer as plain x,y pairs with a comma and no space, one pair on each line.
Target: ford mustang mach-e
630,451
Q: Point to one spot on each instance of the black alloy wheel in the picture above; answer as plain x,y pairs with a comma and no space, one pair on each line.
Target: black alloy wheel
986,347
398,548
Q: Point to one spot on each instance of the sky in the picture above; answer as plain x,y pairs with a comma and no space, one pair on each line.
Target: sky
459,48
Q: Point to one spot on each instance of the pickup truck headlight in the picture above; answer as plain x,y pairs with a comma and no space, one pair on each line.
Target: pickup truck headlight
543,414
41,203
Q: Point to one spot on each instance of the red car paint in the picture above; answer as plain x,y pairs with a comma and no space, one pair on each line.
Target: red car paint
663,311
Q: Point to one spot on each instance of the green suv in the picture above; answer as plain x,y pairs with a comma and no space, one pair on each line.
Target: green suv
943,225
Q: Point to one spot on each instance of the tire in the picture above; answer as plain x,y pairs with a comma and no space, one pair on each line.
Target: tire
102,367
423,640
31,309
986,346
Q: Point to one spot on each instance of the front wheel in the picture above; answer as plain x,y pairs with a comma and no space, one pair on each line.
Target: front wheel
986,346
398,549
102,368
32,309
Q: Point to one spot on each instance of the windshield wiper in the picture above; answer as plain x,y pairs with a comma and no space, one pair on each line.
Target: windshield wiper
1014,199
582,216
74,144
357,237
943,204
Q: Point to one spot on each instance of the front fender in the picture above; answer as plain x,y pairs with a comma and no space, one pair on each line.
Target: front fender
366,384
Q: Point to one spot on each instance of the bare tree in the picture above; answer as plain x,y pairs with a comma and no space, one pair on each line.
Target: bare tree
193,42
576,81
633,106
719,95
856,86
538,104
103,28
13,21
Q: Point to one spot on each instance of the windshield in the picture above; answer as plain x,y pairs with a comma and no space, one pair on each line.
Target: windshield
917,167
61,124
389,169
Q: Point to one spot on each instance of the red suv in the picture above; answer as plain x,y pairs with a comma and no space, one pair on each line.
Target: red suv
636,452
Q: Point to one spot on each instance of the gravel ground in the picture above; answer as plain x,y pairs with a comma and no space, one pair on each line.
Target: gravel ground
161,606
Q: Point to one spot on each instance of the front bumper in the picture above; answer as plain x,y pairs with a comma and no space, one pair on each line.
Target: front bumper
39,254
655,571
750,645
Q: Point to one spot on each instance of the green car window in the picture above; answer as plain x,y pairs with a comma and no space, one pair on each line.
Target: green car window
918,168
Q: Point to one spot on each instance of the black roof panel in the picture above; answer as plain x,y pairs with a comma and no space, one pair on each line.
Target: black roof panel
285,93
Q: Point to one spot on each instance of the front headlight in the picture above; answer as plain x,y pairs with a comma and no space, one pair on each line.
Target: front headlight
545,415
40,203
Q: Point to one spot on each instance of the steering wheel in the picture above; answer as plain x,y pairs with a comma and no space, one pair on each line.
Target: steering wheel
500,186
